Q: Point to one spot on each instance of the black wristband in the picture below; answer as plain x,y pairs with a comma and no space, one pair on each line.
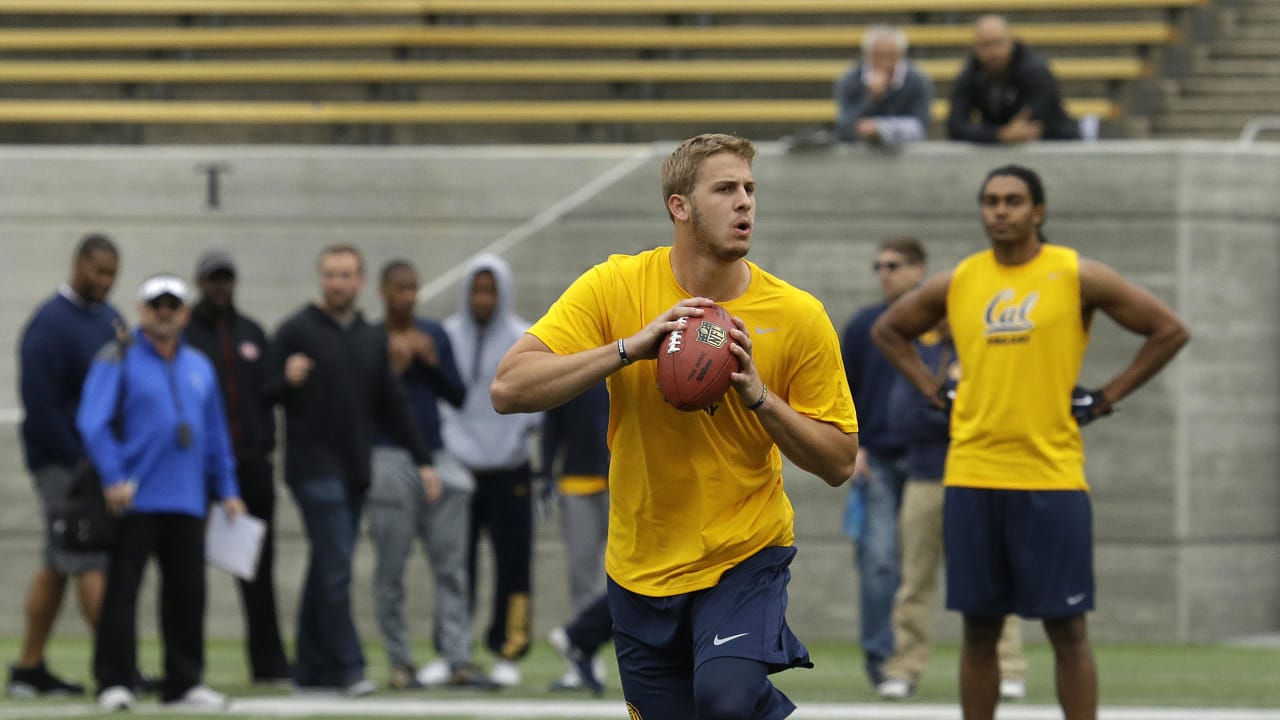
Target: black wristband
622,353
764,393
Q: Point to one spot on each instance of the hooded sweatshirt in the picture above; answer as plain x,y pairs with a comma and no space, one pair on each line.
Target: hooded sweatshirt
475,433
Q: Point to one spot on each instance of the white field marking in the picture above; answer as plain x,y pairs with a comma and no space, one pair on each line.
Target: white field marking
426,707
554,212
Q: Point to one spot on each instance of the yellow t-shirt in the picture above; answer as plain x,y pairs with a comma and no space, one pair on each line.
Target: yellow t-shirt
1020,338
694,493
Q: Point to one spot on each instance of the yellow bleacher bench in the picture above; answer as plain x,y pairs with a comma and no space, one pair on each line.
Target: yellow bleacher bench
559,7
498,71
555,37
496,112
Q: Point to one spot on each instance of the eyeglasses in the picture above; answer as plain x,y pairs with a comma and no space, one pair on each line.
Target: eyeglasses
166,302
891,266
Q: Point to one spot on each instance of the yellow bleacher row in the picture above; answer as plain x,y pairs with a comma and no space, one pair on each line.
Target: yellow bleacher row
555,36
560,7
425,113
460,71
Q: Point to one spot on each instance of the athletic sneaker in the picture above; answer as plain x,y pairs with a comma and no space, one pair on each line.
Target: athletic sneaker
34,681
1013,689
404,677
360,688
434,673
577,662
116,698
505,673
566,682
200,698
895,689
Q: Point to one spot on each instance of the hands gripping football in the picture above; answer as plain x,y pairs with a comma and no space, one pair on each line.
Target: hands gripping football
701,351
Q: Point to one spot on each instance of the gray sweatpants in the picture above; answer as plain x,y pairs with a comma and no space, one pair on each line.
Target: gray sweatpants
584,524
399,512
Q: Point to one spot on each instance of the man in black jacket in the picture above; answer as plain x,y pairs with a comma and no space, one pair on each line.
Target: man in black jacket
1006,92
237,347
331,371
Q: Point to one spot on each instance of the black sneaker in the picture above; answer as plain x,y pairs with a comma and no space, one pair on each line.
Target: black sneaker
144,684
469,675
32,682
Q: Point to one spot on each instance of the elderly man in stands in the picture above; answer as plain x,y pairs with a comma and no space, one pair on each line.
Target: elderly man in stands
1006,92
883,99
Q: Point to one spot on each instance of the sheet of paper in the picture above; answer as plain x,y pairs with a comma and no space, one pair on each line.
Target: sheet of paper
234,545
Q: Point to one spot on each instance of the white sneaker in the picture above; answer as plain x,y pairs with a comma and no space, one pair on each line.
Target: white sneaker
505,673
1013,689
559,640
599,668
894,689
115,698
360,688
200,697
434,673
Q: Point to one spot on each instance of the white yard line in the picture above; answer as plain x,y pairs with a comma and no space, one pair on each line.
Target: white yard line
428,707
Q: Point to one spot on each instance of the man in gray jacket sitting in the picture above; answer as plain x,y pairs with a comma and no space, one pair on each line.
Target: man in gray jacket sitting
883,98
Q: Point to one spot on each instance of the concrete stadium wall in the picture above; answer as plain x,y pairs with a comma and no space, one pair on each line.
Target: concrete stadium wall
1187,508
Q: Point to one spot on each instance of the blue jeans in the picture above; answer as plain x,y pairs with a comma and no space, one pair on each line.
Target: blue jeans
876,556
328,649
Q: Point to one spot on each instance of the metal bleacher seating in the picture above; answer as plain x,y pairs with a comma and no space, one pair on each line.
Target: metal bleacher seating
570,63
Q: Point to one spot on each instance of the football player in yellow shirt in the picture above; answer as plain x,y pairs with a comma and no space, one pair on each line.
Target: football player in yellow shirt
700,529
1017,519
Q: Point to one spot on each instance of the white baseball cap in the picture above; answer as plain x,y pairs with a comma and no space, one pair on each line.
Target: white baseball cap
160,285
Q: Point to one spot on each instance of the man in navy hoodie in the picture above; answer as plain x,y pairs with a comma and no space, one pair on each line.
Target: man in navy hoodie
58,344
158,463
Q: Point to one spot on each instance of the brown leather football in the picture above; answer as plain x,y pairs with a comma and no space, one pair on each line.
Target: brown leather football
694,363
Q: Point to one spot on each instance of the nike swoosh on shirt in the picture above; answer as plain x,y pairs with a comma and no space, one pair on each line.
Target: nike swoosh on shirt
718,641
1076,599
762,331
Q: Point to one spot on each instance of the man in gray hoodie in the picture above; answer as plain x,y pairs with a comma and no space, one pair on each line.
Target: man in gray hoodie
495,449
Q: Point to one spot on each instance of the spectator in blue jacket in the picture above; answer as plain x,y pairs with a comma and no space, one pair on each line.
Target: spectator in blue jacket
57,346
157,467
883,99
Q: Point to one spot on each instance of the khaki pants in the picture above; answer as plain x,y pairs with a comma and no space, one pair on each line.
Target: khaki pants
920,523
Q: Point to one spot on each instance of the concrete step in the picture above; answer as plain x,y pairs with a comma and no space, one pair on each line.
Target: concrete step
1197,134
1246,48
1228,123
1260,104
1207,84
1258,30
1259,12
1214,66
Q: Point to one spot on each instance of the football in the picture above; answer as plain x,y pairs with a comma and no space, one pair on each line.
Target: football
694,363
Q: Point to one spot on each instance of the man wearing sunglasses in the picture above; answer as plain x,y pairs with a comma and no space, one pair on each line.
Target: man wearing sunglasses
154,463
871,511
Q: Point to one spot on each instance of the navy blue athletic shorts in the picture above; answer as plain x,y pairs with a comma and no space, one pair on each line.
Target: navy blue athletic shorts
1028,552
661,642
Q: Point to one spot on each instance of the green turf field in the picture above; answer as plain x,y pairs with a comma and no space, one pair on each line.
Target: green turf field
1130,675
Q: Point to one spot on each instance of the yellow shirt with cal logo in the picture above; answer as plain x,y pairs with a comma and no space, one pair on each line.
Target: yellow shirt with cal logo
1020,338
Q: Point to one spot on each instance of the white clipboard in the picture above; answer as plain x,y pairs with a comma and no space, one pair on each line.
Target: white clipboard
234,545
